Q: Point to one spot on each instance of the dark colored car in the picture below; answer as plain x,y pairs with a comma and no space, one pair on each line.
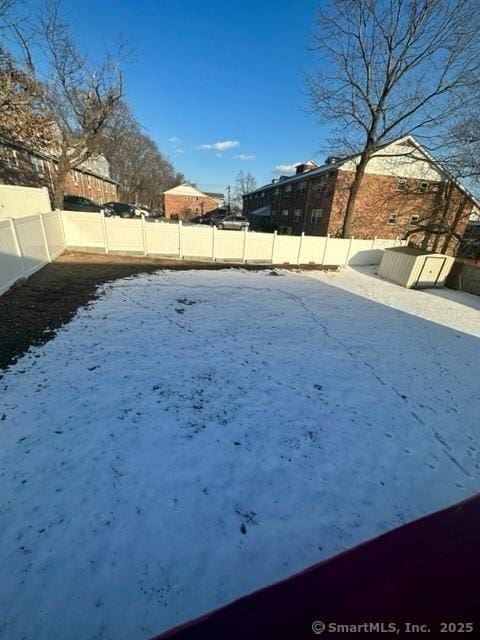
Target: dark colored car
121,209
79,203
216,218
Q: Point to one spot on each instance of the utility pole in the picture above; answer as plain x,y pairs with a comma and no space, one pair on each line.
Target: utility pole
228,199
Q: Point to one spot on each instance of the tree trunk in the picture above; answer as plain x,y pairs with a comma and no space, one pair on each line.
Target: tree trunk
59,181
352,196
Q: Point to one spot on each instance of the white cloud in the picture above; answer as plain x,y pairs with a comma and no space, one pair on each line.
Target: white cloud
176,144
223,145
243,156
286,169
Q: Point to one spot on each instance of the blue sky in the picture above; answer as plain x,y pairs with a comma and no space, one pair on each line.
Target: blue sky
212,71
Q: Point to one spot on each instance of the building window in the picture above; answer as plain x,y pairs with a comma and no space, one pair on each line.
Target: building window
402,185
285,214
288,190
12,160
321,187
262,195
277,191
414,219
301,188
297,215
392,218
37,164
316,216
423,187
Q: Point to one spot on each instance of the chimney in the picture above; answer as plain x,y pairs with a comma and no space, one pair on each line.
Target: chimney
332,160
305,166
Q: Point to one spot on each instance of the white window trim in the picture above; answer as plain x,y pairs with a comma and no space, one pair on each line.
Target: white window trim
412,221
37,164
402,184
297,215
392,218
285,214
316,216
423,187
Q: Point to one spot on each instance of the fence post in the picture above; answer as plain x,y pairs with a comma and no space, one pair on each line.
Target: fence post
395,243
300,247
18,247
244,258
214,231
373,242
144,235
348,252
44,234
60,215
325,249
104,229
180,239
273,245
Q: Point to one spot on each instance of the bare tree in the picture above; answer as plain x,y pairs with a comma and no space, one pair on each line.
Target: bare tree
244,183
80,96
136,162
389,68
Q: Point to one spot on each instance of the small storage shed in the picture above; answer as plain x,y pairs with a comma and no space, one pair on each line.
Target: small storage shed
415,268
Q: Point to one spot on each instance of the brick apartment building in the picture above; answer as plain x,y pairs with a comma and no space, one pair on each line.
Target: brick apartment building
22,166
185,202
403,189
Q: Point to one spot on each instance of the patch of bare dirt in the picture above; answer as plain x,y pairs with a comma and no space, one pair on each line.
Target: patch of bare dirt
31,313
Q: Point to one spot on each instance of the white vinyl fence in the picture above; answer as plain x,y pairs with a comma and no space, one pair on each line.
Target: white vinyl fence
17,202
30,242
27,244
85,231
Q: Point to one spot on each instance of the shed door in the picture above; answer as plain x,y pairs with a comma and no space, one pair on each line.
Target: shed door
430,272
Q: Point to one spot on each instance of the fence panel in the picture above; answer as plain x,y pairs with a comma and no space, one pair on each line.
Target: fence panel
124,235
30,237
83,230
286,249
162,239
197,242
17,202
336,252
10,263
53,230
229,245
312,249
258,247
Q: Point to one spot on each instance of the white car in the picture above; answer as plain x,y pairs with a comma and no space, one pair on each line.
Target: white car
233,222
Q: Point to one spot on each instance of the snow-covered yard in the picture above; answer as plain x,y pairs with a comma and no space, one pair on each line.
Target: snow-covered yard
192,436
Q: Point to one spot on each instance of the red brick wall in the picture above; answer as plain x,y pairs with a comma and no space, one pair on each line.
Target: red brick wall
187,207
96,189
317,194
379,197
23,172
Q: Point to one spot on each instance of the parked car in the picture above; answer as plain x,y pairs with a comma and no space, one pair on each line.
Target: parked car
233,222
215,218
79,203
206,219
121,209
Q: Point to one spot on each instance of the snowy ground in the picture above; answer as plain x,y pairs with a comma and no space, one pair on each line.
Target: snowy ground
192,436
